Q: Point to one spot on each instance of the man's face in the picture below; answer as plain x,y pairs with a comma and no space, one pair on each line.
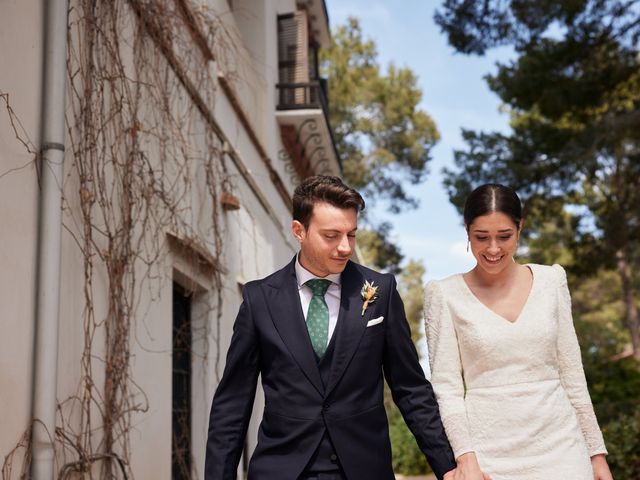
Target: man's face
327,244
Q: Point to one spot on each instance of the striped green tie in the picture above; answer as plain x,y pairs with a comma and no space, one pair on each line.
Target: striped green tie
318,316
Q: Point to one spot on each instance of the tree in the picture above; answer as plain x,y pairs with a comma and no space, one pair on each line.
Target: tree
574,97
411,289
408,459
385,141
378,251
613,380
474,27
383,138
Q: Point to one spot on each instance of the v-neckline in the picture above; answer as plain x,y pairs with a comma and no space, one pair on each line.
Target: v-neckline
524,305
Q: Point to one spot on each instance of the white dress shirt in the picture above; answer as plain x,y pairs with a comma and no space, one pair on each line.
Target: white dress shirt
332,297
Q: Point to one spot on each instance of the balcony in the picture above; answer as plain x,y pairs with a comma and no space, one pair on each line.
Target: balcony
302,109
298,96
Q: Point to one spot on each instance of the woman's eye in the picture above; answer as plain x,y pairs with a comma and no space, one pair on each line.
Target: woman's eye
481,238
330,237
505,237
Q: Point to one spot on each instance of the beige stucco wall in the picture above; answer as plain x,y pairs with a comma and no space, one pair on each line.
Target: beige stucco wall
20,77
255,245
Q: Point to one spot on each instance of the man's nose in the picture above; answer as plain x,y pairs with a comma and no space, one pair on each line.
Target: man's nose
344,247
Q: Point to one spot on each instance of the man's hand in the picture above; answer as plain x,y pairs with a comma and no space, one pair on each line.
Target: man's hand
467,469
450,475
600,468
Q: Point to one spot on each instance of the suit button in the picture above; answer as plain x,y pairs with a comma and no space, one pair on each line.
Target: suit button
334,458
325,407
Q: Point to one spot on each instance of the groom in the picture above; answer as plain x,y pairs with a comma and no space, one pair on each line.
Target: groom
322,332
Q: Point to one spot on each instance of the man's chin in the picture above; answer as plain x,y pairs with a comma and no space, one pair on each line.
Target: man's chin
339,265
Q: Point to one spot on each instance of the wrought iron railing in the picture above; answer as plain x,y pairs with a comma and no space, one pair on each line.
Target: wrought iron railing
310,95
293,96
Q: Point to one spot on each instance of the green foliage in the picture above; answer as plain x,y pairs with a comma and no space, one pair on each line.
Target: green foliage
377,250
622,437
383,138
574,94
614,382
547,243
574,97
411,289
408,459
614,385
475,27
384,141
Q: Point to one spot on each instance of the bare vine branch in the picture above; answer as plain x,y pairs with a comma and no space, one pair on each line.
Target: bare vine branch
144,159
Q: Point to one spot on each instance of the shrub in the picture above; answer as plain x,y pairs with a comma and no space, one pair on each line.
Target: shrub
408,459
622,437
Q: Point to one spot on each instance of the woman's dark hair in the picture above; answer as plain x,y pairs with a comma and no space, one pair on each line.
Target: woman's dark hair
323,188
489,198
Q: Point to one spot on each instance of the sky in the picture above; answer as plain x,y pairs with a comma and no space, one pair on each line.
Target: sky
455,95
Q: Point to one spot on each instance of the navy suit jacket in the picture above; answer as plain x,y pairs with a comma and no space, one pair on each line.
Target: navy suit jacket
270,338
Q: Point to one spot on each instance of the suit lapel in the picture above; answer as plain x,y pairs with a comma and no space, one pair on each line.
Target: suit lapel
283,302
351,324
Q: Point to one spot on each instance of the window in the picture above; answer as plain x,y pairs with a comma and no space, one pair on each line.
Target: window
181,381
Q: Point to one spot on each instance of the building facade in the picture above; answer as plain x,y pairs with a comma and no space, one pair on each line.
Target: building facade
148,153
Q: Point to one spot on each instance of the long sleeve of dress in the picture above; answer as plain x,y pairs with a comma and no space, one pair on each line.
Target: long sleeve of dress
446,369
571,370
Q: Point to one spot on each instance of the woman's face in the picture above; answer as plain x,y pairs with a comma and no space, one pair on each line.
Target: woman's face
494,240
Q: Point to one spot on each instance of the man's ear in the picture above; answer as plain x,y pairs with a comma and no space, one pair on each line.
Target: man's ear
298,230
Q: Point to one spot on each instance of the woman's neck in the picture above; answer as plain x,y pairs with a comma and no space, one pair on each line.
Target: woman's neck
485,279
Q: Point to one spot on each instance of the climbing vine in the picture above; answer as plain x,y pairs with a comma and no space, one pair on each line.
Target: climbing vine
143,162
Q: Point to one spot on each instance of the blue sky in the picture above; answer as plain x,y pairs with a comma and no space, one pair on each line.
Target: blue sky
454,94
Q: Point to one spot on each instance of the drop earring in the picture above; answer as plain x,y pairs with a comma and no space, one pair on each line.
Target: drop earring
468,245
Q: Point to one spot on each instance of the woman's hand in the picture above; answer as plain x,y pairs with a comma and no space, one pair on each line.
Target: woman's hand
600,468
468,468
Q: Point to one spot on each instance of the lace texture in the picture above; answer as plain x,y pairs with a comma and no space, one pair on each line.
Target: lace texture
446,369
513,392
571,370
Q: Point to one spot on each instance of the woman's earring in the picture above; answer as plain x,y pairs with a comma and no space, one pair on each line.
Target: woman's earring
468,245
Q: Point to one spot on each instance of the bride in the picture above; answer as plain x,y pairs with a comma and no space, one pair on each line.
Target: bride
505,360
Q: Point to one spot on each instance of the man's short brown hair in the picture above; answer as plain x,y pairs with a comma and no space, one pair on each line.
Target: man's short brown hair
323,188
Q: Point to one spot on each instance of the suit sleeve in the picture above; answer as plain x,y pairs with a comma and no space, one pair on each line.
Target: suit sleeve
446,368
571,371
233,401
411,391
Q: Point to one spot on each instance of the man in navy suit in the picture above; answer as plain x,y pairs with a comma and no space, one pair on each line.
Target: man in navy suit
323,332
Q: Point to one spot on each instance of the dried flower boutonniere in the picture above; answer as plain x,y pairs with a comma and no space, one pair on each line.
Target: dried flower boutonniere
369,293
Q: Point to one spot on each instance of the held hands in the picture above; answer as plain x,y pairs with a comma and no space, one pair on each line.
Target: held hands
468,469
600,468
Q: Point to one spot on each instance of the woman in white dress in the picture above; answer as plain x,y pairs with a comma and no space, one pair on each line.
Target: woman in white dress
505,360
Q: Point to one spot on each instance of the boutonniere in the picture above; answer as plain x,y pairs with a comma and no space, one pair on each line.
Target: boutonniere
369,293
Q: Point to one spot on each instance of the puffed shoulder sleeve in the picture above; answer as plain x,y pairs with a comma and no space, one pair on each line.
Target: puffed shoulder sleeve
446,369
571,370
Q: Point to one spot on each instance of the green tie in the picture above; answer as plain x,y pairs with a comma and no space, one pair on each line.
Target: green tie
318,316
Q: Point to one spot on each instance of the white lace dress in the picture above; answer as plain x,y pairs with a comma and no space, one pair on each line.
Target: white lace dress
514,393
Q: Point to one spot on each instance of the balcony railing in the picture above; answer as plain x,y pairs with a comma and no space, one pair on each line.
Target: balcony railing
296,96
303,96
